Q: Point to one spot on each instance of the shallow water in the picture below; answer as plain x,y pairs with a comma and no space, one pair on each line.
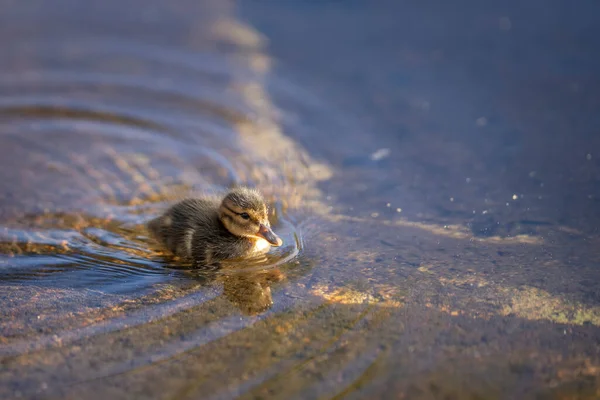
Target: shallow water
434,175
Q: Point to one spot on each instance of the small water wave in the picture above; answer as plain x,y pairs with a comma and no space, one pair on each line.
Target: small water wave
111,149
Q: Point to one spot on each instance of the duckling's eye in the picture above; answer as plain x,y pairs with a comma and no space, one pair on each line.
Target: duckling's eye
245,215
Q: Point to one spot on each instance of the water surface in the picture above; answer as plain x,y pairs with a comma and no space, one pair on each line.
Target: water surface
434,175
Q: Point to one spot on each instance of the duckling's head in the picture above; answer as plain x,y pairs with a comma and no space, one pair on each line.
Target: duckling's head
244,213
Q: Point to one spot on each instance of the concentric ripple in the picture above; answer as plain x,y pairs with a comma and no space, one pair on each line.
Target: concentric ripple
97,142
100,135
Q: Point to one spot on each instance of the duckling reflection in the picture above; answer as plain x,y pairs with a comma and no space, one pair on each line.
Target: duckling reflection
208,230
251,291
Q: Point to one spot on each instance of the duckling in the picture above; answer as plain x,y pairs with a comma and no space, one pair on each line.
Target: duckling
210,229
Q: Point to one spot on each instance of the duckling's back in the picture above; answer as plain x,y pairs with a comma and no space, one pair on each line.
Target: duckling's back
178,226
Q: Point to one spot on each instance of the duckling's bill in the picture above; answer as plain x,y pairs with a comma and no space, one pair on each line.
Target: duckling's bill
266,233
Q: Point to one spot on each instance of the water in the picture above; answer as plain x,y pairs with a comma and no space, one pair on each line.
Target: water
434,175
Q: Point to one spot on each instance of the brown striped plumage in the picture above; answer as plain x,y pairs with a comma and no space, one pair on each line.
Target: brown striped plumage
211,229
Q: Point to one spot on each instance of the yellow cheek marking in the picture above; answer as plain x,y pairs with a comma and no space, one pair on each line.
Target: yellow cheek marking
261,245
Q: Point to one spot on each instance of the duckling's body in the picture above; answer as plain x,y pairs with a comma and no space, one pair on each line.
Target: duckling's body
192,229
211,229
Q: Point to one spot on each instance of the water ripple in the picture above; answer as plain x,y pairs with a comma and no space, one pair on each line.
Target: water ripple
111,148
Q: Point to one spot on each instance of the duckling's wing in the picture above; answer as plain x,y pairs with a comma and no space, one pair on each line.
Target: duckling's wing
176,228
